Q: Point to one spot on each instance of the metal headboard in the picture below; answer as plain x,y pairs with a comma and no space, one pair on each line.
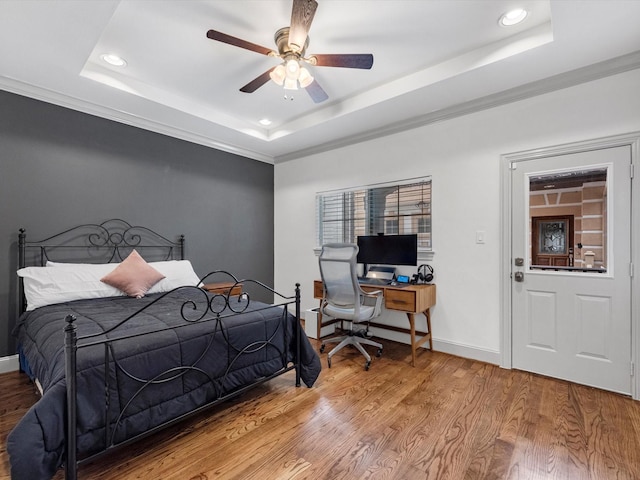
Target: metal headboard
107,242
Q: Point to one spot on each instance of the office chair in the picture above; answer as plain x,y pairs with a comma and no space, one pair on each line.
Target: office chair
344,299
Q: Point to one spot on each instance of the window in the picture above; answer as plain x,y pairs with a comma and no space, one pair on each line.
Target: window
424,225
402,207
391,227
568,220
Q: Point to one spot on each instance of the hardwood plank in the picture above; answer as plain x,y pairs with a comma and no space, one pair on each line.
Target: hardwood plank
448,418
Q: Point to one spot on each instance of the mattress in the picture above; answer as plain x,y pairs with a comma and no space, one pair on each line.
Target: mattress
179,351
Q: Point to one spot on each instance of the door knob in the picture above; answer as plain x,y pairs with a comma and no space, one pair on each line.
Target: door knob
518,277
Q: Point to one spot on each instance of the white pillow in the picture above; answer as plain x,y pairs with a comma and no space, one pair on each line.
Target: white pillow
177,273
46,286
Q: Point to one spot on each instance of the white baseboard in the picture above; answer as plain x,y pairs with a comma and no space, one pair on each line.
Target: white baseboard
467,351
452,348
9,364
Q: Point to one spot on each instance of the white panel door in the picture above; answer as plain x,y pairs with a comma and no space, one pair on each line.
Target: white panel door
574,323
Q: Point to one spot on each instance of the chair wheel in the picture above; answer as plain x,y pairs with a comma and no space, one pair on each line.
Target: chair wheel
367,365
379,353
322,348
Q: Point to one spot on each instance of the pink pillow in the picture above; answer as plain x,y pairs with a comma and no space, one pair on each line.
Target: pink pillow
134,276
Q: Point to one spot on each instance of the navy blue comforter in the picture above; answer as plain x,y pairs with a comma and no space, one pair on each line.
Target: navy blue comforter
226,352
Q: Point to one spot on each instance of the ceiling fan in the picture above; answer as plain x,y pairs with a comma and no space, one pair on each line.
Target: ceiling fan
292,43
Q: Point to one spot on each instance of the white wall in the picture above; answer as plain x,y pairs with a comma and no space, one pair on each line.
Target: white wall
463,157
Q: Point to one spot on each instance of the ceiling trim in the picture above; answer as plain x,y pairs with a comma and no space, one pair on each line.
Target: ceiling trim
120,116
586,74
589,73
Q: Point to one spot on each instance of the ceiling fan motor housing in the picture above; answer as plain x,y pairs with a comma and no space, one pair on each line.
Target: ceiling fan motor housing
281,38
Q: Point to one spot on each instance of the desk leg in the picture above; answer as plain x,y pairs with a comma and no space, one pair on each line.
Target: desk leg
416,343
412,325
319,320
427,315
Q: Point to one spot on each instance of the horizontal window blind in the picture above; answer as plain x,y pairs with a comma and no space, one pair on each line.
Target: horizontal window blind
402,207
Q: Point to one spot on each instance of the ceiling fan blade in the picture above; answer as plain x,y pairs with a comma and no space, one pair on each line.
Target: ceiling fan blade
346,60
302,14
316,92
257,82
238,42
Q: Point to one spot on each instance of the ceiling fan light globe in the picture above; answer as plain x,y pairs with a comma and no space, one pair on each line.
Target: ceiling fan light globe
293,69
278,74
290,84
305,78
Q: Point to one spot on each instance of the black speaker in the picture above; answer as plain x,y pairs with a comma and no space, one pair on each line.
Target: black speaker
424,275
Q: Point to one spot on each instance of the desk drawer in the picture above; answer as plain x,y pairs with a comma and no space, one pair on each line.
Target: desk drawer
404,300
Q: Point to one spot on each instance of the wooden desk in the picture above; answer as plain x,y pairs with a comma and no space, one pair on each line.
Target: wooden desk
411,299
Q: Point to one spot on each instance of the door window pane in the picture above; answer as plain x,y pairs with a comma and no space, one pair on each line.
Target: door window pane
568,220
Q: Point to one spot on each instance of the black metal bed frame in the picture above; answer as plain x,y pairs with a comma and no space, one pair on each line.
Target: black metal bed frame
107,242
112,241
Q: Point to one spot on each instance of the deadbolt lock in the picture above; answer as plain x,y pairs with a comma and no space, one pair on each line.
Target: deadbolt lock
519,262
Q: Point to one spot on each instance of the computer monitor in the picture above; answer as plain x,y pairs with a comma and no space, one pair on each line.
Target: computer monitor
388,249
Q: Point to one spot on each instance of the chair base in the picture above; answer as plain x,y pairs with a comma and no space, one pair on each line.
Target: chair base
351,339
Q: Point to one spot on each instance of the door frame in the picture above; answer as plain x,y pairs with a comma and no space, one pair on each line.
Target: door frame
506,161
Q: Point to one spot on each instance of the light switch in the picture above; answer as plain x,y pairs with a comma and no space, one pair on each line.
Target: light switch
480,234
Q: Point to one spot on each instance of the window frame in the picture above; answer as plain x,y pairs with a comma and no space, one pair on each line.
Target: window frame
345,226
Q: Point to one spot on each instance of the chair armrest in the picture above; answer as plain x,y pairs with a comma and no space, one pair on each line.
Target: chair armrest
374,299
367,297
374,293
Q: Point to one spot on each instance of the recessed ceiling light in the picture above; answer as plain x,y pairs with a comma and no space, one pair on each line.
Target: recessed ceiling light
513,17
113,59
265,122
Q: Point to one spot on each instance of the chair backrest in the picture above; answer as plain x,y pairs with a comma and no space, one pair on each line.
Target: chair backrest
339,275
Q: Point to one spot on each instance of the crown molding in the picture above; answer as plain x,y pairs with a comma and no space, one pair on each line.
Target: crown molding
578,76
56,98
572,78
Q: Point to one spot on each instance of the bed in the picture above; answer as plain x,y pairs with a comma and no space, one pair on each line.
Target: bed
122,341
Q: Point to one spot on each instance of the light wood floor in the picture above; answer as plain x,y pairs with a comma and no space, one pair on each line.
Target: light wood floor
449,418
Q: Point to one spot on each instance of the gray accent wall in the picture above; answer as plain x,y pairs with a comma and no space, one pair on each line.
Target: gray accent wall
60,168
